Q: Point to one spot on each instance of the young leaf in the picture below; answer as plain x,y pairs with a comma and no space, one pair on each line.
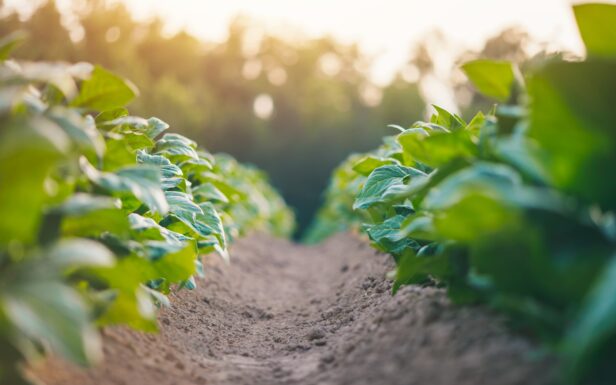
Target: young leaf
492,78
596,24
444,118
367,164
382,182
104,91
413,268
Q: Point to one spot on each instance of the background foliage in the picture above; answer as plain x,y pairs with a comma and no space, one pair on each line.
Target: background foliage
325,105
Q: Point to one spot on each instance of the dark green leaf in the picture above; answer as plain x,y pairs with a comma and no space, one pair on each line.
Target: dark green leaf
382,182
594,327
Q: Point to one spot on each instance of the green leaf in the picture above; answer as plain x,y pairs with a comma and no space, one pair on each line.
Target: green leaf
158,297
104,91
179,138
438,148
95,223
85,215
51,312
177,265
155,127
572,121
413,268
211,218
130,303
195,166
10,42
188,212
168,169
476,123
383,182
122,147
143,182
127,122
208,192
210,244
82,131
387,235
524,154
147,229
60,75
81,203
124,123
596,24
487,179
419,226
28,152
367,164
444,118
109,115
180,203
492,78
594,326
80,253
176,148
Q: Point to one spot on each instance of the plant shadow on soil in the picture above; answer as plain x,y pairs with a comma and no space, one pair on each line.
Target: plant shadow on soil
283,313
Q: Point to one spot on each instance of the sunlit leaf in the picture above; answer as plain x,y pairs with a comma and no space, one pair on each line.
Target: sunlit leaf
143,182
492,78
104,91
596,25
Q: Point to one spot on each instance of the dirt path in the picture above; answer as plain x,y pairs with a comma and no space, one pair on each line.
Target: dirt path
288,314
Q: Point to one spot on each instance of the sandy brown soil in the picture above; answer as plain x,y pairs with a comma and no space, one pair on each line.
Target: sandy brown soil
288,314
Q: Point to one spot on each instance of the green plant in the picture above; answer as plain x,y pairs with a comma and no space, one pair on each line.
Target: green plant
515,208
103,212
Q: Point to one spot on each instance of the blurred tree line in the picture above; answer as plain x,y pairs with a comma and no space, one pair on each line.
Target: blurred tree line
293,108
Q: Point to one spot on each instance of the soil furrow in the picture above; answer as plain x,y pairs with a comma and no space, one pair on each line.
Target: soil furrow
283,313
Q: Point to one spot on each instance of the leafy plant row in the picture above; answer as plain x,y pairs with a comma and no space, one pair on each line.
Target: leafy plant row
514,208
102,213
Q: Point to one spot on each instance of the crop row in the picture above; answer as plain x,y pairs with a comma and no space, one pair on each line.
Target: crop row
103,213
514,208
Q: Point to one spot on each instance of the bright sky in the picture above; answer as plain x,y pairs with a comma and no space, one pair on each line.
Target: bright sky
385,28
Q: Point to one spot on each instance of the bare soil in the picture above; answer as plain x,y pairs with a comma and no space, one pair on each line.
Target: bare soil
283,313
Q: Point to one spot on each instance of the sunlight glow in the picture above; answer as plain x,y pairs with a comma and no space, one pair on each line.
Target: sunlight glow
263,106
385,29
